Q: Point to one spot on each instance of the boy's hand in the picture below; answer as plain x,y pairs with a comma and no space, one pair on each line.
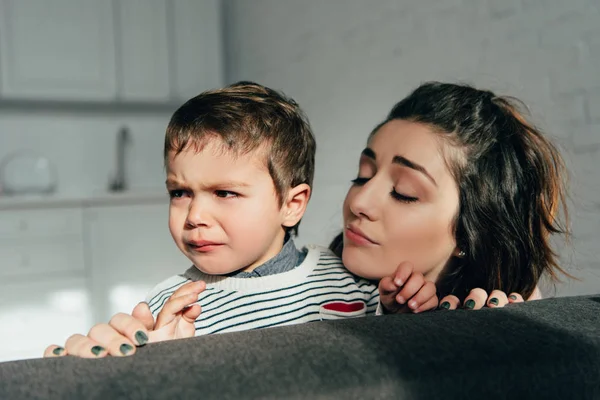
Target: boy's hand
407,291
177,317
124,332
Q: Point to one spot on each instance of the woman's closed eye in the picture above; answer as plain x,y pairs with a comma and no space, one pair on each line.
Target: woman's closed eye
402,197
360,181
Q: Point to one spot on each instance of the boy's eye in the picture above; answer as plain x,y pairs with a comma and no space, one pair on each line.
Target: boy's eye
225,194
176,193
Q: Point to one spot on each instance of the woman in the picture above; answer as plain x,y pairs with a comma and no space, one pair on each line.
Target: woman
454,183
458,183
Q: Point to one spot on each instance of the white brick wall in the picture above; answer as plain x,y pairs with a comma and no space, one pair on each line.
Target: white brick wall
348,61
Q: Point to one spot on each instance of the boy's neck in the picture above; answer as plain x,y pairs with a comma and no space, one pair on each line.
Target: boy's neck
271,252
287,259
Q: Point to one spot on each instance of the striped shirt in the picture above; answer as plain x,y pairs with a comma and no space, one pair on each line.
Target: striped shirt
319,288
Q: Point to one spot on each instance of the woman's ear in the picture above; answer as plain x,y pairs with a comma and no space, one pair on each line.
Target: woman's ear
459,253
295,205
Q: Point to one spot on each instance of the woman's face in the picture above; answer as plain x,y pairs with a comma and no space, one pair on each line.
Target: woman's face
402,205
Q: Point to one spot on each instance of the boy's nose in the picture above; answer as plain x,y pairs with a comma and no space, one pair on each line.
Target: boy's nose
197,214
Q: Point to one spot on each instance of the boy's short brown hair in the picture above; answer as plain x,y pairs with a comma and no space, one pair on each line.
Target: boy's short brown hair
247,116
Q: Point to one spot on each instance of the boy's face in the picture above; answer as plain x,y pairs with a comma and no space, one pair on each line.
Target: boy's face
224,213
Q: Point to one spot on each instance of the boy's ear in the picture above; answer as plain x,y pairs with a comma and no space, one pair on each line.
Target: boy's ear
295,204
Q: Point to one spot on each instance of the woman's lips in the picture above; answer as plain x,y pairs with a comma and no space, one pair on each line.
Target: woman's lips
358,237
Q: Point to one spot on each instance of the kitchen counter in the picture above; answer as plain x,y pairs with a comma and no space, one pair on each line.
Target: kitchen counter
65,201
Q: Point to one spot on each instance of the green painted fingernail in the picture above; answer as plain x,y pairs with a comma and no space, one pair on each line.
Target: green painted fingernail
470,304
97,350
513,297
58,351
445,305
141,338
494,301
125,348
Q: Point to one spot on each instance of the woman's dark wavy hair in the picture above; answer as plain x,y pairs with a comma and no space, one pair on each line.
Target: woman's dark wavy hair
511,181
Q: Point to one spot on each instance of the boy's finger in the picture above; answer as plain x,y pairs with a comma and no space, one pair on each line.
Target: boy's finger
82,346
55,351
425,293
142,313
129,327
191,313
172,307
497,299
449,302
430,304
114,342
190,287
476,299
515,298
403,273
410,288
387,286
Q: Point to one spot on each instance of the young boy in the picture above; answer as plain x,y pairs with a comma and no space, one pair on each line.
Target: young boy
240,164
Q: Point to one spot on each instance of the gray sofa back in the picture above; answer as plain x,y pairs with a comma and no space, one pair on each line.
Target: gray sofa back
544,349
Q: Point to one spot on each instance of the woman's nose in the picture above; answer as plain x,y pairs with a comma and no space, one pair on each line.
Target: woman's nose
365,201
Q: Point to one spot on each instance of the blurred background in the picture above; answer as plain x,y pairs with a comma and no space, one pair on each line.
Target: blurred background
87,88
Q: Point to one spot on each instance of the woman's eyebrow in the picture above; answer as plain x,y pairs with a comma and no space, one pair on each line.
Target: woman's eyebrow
413,165
369,153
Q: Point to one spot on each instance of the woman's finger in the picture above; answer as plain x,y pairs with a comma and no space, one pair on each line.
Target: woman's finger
497,299
82,346
114,342
130,327
449,302
515,298
476,299
55,351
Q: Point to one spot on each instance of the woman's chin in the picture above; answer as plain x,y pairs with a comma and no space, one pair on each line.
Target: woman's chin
360,264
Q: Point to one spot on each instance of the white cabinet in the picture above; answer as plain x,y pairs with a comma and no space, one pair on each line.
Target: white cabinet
59,49
144,57
130,250
38,312
197,46
44,294
105,51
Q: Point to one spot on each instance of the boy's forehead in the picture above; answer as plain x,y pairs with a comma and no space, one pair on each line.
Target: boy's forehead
218,148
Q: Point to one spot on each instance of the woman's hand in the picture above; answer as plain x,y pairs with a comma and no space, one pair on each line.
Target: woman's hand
125,332
479,298
407,291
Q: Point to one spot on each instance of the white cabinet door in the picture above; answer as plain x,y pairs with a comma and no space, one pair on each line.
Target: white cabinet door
197,46
130,250
37,313
59,49
144,58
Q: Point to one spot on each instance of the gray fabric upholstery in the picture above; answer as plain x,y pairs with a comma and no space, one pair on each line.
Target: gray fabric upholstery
542,349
